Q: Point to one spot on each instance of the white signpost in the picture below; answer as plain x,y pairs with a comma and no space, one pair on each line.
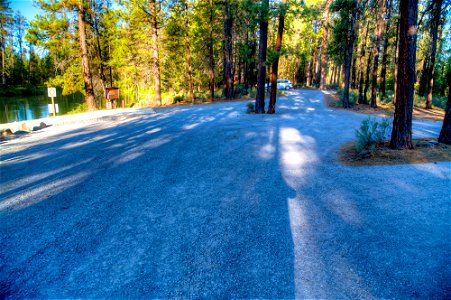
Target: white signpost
52,94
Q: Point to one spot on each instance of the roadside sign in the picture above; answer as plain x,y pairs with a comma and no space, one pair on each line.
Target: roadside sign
51,110
51,92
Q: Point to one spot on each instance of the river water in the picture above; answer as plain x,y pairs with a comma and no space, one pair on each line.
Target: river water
21,108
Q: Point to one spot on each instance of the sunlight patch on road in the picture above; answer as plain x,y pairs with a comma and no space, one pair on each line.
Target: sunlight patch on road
19,183
138,151
267,151
345,209
155,130
200,121
41,192
439,170
86,142
296,152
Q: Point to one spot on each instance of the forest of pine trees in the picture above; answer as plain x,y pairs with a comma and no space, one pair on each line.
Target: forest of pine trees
161,51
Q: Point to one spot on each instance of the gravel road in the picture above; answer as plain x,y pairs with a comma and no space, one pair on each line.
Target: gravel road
209,202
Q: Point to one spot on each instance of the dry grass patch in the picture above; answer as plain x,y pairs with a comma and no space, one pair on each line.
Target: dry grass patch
425,151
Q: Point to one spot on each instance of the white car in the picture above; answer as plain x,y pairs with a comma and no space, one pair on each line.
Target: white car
282,84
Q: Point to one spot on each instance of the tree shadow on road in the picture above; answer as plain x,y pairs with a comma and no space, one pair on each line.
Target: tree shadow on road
160,211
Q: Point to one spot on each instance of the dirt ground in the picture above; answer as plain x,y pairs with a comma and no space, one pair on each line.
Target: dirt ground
384,109
425,151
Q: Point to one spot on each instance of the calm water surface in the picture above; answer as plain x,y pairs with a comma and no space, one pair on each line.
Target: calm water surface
21,108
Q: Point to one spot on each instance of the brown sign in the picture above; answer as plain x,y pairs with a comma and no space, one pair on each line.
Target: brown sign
112,93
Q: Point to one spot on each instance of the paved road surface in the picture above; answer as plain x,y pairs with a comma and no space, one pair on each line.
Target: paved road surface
207,201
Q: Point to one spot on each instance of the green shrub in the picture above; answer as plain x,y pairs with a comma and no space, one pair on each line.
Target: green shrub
202,96
239,91
353,96
333,87
179,98
79,108
437,101
370,133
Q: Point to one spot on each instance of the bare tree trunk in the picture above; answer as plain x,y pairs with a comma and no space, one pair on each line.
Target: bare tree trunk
336,74
3,63
367,79
312,70
385,51
354,72
445,133
275,65
252,65
190,71
362,63
246,64
261,75
156,60
348,60
99,48
89,90
228,23
211,56
401,137
396,60
308,77
435,22
380,29
322,85
384,67
318,67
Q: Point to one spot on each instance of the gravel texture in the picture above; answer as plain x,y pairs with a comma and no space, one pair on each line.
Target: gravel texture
209,202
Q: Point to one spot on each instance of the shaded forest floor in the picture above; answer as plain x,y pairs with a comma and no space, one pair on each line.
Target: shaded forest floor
385,109
426,151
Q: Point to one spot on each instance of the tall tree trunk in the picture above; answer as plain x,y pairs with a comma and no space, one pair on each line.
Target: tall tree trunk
385,51
382,84
335,75
401,137
312,65
445,133
367,79
246,64
435,23
262,45
189,71
308,76
156,60
322,84
354,72
228,23
348,60
380,30
362,63
3,62
99,48
318,67
89,89
396,60
252,65
211,56
275,65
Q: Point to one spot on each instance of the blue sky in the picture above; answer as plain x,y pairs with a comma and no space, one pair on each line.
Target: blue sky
26,8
